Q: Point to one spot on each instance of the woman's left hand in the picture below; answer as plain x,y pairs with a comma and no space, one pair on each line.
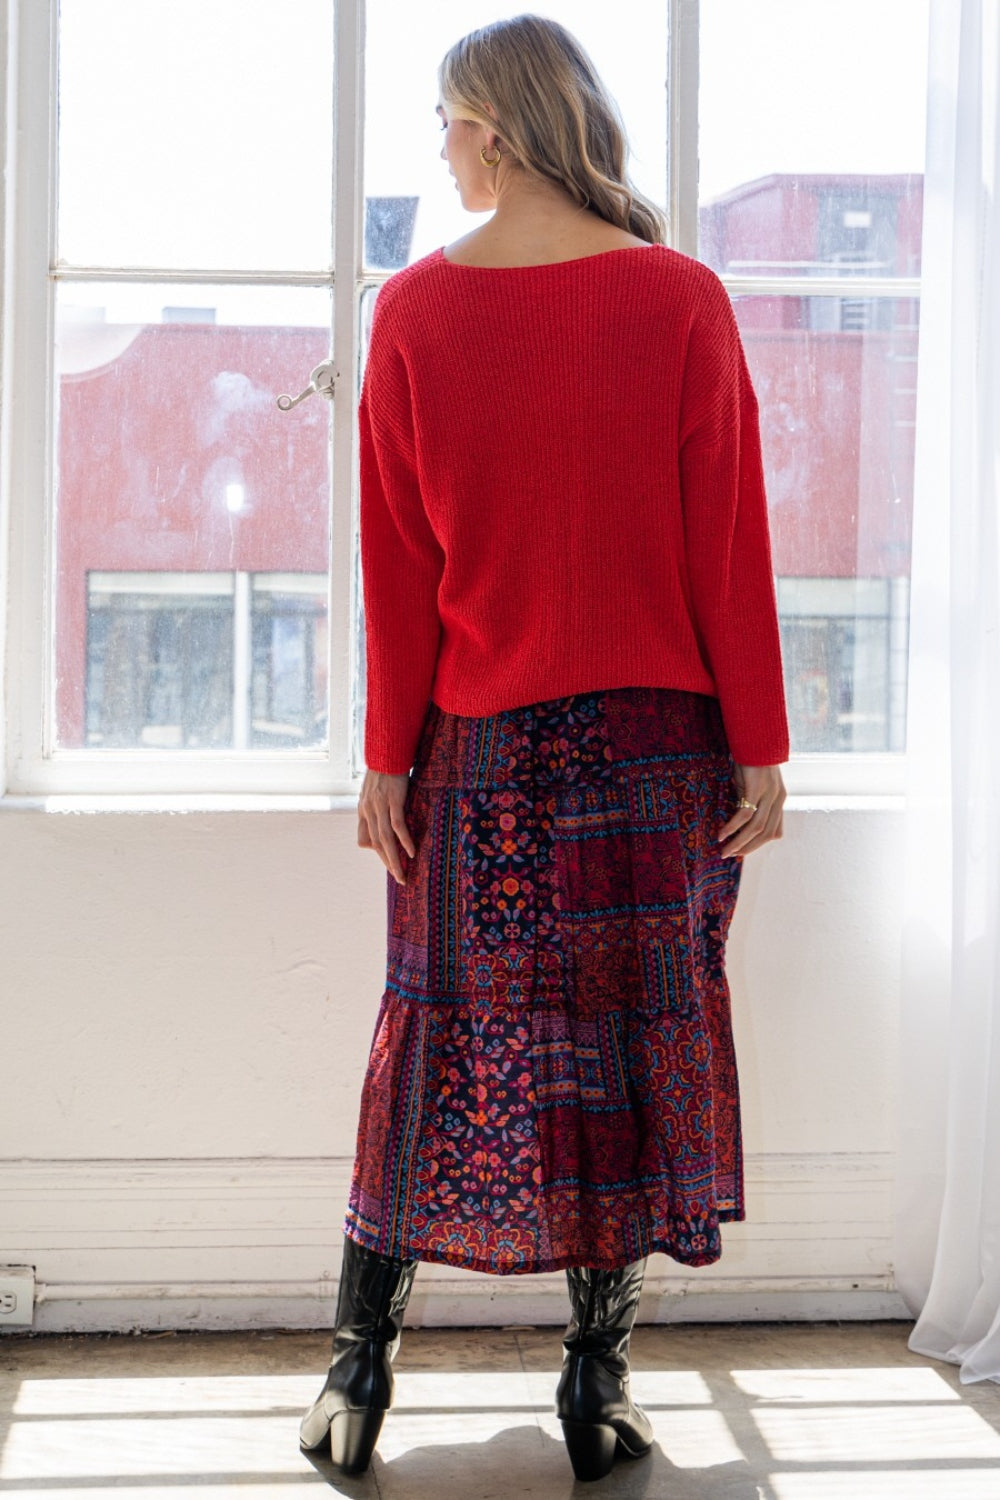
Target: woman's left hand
752,827
381,824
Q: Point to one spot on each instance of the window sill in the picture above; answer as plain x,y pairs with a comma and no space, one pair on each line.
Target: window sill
157,803
814,783
181,802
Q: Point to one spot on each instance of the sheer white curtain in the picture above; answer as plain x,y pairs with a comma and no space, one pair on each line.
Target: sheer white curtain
948,1185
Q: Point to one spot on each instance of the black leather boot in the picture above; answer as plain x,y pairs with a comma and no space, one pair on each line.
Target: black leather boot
599,1419
349,1410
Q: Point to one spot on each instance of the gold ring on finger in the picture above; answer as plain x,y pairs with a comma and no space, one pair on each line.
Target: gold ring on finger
752,805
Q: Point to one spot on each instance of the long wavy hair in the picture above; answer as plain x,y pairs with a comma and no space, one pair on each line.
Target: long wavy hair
552,111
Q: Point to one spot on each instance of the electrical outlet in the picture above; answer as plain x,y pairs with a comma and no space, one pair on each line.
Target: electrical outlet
17,1296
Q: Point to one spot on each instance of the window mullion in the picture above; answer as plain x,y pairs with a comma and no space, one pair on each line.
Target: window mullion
242,659
821,286
682,126
182,276
348,255
28,321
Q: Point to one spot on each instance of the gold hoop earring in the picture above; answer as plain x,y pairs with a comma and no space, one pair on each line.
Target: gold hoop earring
482,153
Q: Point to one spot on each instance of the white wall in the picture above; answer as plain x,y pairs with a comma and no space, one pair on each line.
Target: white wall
188,1002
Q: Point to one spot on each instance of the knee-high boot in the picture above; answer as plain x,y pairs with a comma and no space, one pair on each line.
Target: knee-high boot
374,1290
599,1419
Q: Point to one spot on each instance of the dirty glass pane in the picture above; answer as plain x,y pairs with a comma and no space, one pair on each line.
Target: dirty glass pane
289,624
192,517
411,202
195,134
836,382
159,660
811,136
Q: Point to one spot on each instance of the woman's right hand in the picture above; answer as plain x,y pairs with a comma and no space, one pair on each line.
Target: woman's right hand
382,820
748,830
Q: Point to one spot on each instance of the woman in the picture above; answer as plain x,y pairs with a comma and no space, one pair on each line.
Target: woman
574,727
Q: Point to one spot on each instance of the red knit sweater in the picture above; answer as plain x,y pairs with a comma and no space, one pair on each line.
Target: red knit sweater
562,491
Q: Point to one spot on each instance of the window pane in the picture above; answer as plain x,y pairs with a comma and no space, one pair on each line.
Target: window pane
195,134
412,205
159,660
192,517
811,136
289,660
836,382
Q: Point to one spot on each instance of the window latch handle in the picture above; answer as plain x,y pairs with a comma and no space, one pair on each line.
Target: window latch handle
321,383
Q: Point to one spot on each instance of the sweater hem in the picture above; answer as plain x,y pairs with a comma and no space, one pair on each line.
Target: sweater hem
762,752
481,705
754,751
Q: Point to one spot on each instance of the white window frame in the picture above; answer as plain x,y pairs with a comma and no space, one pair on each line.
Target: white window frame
864,777
33,768
28,287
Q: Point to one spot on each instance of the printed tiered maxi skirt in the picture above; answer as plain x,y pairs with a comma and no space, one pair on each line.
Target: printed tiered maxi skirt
552,1079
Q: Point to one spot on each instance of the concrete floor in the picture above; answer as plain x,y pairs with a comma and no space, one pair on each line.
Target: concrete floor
752,1411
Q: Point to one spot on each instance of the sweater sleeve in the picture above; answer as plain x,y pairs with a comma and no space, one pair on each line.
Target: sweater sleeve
401,560
727,539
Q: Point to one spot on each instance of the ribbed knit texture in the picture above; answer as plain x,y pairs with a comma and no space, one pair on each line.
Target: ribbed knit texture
562,491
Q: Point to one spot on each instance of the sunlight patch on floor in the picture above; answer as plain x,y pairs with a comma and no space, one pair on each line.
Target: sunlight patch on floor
863,1384
897,1484
874,1434
151,1393
82,1448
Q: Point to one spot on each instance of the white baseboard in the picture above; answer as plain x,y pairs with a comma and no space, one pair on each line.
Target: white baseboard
255,1243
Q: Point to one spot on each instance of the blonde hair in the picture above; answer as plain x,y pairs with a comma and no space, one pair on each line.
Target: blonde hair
553,112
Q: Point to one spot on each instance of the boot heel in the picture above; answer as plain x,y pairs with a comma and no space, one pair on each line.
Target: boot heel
353,1435
591,1447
